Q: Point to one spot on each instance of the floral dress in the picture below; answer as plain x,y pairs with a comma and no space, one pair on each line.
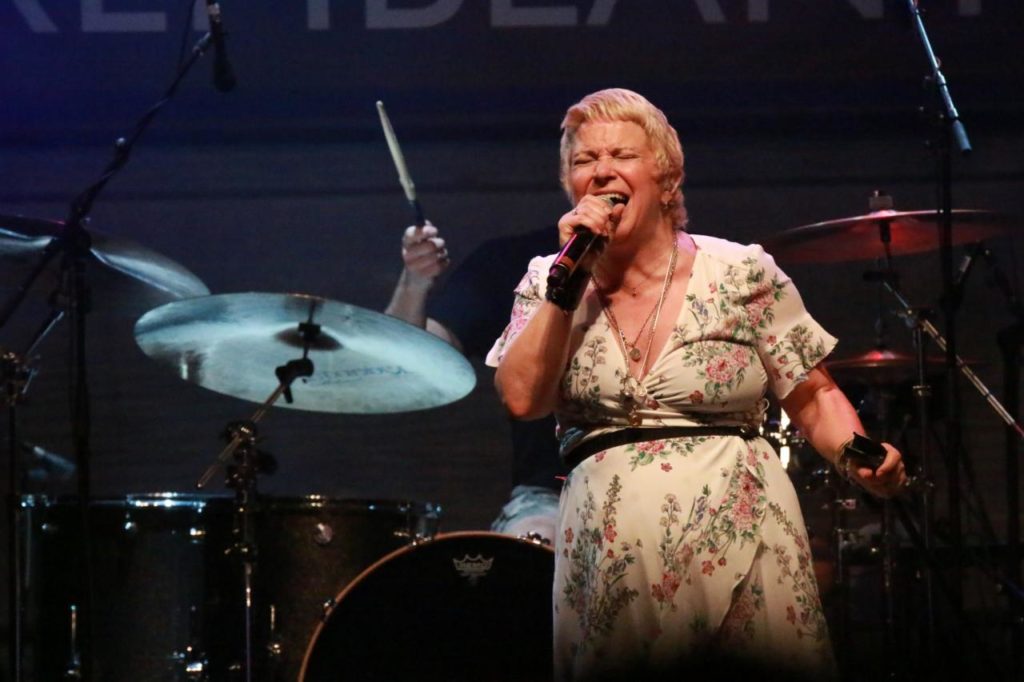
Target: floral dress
690,546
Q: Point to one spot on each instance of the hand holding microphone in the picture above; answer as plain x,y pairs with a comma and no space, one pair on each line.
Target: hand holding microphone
584,231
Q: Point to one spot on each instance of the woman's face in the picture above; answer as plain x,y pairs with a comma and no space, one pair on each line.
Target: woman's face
615,157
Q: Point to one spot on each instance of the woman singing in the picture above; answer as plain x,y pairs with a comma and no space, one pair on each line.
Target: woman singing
680,538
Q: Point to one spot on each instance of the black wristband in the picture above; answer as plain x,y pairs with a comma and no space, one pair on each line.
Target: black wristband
568,294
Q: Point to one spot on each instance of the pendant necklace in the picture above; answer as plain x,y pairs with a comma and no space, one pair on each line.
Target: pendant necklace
633,391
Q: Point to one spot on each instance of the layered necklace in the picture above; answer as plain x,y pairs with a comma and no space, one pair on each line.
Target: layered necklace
633,392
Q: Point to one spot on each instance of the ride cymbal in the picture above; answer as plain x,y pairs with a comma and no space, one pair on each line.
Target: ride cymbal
365,362
862,237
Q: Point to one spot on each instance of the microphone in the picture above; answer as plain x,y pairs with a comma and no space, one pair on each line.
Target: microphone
582,242
223,75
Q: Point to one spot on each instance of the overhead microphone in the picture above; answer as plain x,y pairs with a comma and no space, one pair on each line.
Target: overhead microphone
223,75
582,242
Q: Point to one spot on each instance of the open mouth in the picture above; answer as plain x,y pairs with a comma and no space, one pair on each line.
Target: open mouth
614,198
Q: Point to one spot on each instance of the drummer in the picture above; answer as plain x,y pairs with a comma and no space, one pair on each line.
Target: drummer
469,312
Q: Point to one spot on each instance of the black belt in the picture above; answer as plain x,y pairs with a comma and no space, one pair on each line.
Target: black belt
625,436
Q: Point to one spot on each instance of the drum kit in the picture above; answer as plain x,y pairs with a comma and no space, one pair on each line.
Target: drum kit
891,392
248,586
210,587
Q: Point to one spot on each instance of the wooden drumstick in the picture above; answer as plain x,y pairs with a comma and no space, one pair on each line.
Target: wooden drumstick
403,173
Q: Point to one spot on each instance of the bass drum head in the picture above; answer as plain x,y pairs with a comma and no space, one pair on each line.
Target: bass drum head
463,606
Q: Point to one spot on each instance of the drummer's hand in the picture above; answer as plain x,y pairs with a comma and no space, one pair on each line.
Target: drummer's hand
424,254
593,213
888,480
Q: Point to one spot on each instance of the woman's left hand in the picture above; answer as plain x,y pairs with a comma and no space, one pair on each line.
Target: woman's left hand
888,480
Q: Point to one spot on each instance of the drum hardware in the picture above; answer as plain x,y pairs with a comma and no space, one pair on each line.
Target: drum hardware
366,362
73,671
536,538
880,235
40,243
193,661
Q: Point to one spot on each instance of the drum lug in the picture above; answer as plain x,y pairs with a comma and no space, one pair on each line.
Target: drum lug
275,649
73,671
193,661
323,535
326,607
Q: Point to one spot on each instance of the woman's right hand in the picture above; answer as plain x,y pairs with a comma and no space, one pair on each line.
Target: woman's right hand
592,212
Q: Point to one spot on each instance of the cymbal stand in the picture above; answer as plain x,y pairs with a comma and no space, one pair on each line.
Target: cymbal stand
15,377
16,374
923,326
249,462
242,476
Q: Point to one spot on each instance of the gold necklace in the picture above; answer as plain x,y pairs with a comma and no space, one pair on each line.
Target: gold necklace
631,350
633,391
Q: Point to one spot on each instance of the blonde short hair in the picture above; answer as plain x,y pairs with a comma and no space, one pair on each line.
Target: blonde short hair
619,104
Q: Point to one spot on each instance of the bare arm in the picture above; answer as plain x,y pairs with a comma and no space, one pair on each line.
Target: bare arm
528,375
425,257
530,371
827,419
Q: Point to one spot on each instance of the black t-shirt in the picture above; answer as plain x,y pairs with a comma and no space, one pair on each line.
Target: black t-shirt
474,304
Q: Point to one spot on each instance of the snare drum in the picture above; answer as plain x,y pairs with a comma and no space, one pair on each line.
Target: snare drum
463,606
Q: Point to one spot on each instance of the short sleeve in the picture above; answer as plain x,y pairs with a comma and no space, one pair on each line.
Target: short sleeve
789,341
529,295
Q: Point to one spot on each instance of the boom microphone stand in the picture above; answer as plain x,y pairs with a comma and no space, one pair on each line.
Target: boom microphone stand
948,128
73,245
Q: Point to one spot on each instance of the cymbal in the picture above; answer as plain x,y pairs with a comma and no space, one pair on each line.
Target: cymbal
879,365
23,239
859,238
364,362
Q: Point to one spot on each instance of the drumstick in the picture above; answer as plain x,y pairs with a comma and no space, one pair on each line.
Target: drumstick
403,173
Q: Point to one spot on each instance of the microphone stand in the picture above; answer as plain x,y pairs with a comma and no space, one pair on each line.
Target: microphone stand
73,244
1011,339
948,127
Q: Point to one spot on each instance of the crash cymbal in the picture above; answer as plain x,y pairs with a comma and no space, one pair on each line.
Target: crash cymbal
365,362
880,365
860,237
22,240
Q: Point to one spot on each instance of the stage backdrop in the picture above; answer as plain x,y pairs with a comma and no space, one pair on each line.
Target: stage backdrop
310,67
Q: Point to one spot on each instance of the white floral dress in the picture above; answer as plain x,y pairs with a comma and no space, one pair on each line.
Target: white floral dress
695,545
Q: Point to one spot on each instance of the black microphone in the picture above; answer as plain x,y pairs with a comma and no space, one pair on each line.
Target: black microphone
582,242
223,75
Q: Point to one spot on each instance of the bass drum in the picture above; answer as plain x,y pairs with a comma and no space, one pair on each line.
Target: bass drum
463,606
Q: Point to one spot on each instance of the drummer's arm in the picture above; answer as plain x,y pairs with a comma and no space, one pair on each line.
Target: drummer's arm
425,257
